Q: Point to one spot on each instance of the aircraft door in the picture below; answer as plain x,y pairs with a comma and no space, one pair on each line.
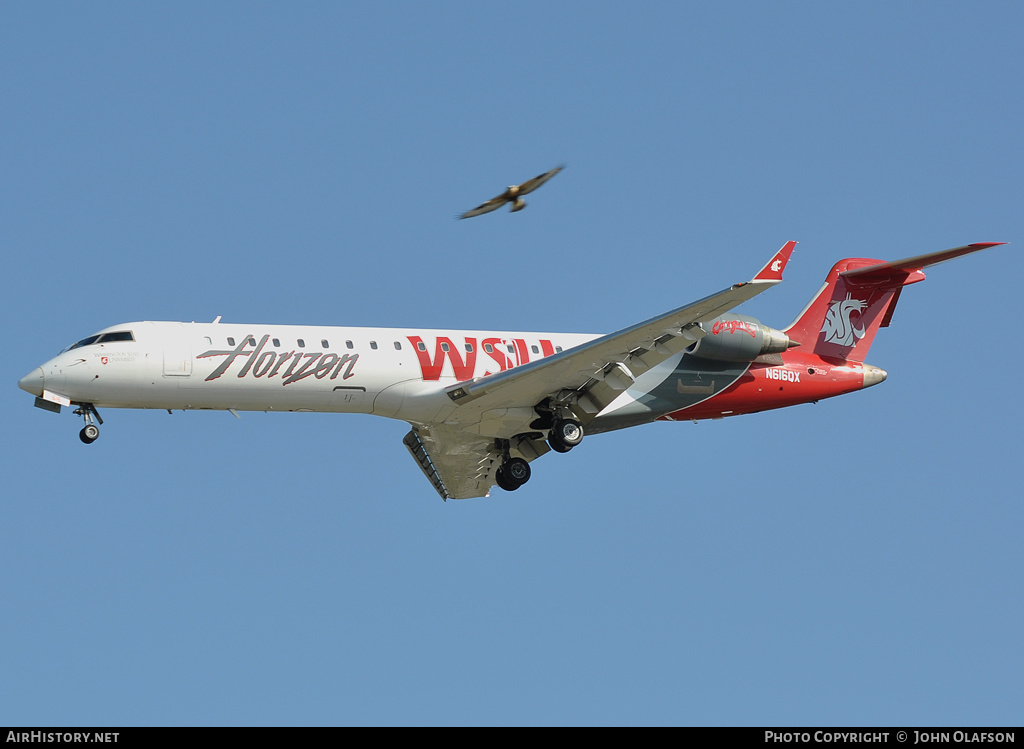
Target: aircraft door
177,351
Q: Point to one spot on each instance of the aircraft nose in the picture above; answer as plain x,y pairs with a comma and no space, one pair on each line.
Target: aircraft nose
32,382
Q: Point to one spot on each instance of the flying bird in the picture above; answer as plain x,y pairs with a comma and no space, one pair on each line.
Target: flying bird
513,195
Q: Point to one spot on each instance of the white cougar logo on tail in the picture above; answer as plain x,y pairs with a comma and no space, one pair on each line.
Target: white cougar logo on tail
838,327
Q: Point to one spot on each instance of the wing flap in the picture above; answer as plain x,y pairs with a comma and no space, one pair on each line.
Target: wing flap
458,464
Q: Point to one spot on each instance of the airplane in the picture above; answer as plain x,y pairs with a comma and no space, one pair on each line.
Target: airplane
483,405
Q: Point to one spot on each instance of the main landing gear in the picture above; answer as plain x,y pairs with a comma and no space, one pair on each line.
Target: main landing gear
563,436
513,473
90,432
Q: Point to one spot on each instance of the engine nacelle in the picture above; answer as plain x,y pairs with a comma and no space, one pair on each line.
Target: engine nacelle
739,338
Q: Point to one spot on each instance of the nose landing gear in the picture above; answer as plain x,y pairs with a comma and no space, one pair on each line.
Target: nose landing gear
90,432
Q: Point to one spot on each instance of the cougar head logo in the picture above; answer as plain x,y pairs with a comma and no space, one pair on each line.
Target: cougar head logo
838,327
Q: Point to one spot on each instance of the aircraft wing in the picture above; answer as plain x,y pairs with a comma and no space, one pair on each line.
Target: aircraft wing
459,456
460,465
614,359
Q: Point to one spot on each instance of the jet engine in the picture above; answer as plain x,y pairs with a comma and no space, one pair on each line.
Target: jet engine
740,339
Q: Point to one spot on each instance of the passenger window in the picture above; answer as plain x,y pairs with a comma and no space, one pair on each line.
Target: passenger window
324,343
398,346
511,348
445,346
231,341
558,349
421,346
469,348
302,343
488,348
252,341
373,345
276,342
348,344
534,349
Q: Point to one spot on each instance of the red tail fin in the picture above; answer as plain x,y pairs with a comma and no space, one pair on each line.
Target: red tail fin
858,298
841,321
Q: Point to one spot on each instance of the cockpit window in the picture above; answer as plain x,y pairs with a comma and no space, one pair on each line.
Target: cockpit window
84,342
120,335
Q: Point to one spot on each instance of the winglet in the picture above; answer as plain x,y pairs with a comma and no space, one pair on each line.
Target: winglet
772,272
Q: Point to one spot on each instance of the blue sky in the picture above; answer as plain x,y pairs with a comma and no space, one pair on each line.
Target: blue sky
854,562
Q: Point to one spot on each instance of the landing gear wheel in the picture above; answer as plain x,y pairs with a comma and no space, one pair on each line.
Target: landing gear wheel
565,435
504,483
90,431
512,474
518,470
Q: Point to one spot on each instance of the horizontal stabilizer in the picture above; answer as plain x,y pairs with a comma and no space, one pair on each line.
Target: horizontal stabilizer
896,270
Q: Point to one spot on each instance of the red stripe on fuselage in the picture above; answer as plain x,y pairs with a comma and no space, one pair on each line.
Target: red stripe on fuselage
802,379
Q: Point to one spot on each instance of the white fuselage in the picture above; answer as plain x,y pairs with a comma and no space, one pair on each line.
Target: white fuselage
393,372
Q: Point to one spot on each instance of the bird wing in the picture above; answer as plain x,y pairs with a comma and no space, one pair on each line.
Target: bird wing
491,205
532,184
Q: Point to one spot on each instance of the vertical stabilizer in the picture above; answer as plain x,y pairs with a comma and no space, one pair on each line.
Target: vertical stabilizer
858,298
842,320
